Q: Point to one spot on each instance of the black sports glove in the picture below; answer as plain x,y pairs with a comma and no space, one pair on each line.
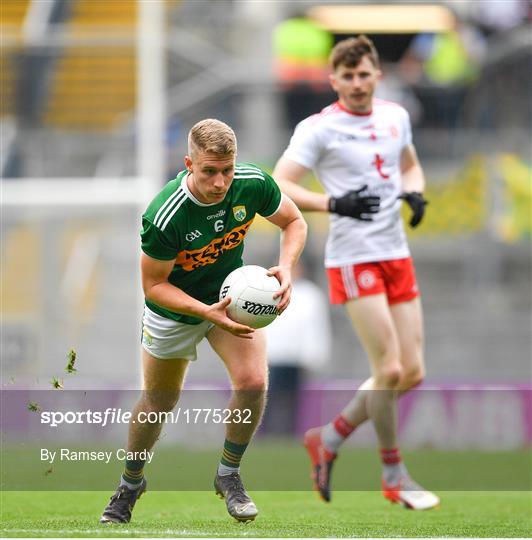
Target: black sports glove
417,203
354,205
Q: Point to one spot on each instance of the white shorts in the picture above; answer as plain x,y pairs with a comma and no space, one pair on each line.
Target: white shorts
167,339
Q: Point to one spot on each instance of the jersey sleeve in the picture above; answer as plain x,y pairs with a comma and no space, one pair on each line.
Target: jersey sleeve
304,147
156,243
270,196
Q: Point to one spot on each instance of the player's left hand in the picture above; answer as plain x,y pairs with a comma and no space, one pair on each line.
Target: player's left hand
284,277
417,203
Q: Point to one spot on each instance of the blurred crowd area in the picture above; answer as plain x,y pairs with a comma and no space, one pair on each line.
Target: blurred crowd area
70,75
70,72
69,81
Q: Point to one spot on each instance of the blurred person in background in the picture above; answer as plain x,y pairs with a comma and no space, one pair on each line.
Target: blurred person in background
361,150
441,68
499,16
192,238
301,49
392,87
299,342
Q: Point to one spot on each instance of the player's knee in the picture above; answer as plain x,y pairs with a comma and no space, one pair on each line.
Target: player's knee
413,377
253,383
389,377
160,400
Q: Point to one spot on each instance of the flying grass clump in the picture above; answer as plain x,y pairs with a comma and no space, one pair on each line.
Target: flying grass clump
71,361
56,383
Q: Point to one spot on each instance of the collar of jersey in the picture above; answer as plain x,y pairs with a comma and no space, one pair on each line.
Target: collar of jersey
348,111
191,197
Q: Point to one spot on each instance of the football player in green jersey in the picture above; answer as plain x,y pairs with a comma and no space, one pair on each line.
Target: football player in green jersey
192,238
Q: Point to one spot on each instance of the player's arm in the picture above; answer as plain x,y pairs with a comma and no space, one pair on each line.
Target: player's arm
412,177
288,174
160,291
293,235
413,184
354,204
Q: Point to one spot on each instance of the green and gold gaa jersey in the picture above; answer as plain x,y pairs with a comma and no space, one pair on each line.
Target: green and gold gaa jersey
206,241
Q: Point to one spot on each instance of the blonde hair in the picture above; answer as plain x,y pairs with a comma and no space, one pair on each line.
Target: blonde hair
213,137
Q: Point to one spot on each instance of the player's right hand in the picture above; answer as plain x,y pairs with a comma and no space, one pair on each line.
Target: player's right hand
355,205
217,314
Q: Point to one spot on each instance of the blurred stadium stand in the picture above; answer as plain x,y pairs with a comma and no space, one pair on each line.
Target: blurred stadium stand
92,87
70,279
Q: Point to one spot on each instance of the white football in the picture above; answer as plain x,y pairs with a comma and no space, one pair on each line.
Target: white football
251,291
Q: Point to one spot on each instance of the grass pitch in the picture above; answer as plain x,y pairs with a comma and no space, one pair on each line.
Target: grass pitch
282,514
483,495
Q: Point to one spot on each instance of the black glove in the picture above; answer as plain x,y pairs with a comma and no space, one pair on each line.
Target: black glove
354,205
417,203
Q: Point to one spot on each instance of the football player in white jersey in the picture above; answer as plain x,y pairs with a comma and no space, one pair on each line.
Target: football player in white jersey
361,150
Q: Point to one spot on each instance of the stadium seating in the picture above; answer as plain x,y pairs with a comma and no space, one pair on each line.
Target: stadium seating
12,15
11,18
93,86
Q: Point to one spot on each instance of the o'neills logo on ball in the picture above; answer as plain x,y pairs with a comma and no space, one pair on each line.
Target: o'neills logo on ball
366,279
254,308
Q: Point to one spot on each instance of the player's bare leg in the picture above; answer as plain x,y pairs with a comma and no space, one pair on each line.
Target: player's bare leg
408,320
162,383
163,380
407,326
245,360
374,325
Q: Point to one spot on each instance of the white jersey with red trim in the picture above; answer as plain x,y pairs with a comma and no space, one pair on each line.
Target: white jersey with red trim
348,151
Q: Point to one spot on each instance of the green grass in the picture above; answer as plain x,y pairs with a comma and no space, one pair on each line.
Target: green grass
484,494
282,514
186,469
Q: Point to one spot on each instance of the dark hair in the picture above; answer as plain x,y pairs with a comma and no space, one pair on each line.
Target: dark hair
350,52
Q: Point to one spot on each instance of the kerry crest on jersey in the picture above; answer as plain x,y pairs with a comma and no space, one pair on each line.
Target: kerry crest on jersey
239,212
